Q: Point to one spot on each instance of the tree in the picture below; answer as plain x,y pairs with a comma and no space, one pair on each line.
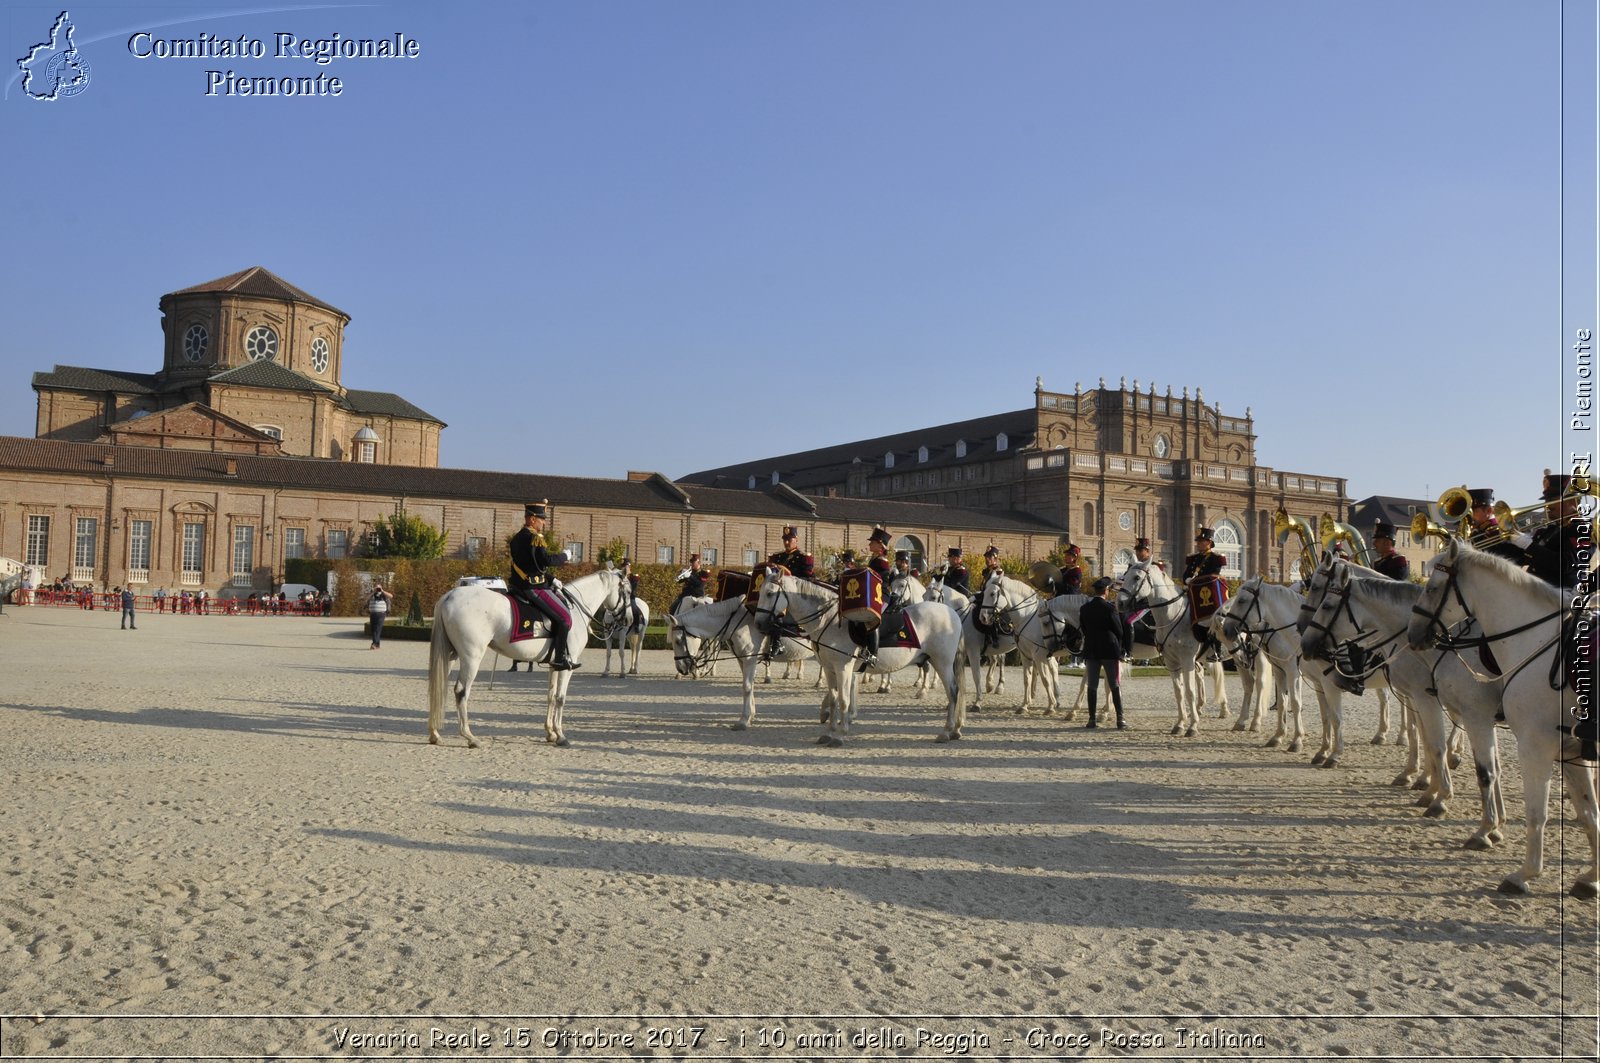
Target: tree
405,536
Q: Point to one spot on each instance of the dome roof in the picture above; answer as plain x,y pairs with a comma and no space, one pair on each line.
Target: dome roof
367,435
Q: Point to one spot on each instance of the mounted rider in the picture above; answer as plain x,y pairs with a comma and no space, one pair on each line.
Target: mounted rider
1202,570
1559,552
1484,531
878,547
956,576
798,563
532,581
630,589
691,583
991,569
1071,572
1388,562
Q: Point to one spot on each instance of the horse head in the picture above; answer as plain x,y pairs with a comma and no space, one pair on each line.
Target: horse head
1332,596
1236,609
1440,609
772,601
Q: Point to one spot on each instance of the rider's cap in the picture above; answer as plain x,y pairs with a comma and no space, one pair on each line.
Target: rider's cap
1555,485
902,555
1207,534
1141,543
790,532
1073,551
693,558
954,551
1102,583
1482,496
1383,530
879,535
535,509
993,551
847,557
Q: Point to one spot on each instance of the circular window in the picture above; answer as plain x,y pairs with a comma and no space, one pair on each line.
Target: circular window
1162,446
1125,521
261,344
194,342
319,354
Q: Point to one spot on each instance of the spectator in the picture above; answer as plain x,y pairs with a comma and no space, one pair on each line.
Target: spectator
377,613
128,620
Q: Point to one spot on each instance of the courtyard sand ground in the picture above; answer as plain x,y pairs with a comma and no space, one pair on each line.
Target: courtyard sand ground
240,817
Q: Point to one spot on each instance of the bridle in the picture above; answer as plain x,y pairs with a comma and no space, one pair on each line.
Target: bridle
997,617
1164,630
1345,655
1440,635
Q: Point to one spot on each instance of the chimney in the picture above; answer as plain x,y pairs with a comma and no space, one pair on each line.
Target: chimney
638,477
232,468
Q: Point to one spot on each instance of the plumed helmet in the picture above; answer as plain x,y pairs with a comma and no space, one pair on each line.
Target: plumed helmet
790,532
879,535
1141,543
993,551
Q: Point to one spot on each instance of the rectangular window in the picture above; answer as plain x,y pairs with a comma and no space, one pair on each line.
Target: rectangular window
194,552
752,558
294,543
39,541
475,545
139,545
574,552
708,554
338,542
83,548
664,555
244,552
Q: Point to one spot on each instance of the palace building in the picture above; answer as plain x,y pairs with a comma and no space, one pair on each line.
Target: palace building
244,450
1107,465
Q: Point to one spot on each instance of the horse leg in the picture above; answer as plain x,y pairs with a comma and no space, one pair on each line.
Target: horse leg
1430,717
638,644
747,672
1486,760
555,712
1288,683
1224,710
1581,791
1174,674
1331,707
1538,765
1413,739
1197,687
950,676
466,672
1383,719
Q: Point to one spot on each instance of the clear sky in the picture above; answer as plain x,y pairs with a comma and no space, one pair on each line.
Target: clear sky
599,236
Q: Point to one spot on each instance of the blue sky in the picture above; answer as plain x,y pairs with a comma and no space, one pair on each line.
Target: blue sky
602,236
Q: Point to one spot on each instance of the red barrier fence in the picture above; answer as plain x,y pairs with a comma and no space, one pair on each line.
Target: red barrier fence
175,603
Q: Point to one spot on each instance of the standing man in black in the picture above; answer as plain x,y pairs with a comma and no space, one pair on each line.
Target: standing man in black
1107,641
1391,564
532,569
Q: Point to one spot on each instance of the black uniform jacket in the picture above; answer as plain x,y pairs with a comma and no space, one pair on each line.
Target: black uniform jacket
798,562
1206,565
531,564
1106,634
1395,566
955,577
1555,555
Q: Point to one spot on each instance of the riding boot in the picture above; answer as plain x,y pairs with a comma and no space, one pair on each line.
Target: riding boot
870,657
560,660
1093,723
513,667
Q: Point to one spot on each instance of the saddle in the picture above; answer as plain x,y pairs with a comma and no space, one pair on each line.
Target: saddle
527,622
895,631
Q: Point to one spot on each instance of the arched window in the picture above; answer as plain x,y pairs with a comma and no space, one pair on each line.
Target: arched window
1001,441
774,475
888,460
1230,544
922,454
1088,519
752,484
1120,561
961,448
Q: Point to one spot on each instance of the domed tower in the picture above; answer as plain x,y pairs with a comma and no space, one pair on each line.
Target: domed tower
250,316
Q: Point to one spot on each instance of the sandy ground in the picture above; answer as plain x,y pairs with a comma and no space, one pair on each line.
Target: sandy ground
228,836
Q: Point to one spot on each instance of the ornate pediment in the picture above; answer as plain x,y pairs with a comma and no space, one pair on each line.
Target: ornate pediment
192,426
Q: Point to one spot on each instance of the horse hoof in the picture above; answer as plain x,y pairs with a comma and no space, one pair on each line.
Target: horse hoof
1177,730
1378,741
1435,811
1241,726
834,743
1294,747
1454,760
1420,784
1190,733
738,727
1318,760
823,740
1477,844
1331,762
562,743
1584,890
433,739
1272,743
1514,886
1401,780
941,737
1495,837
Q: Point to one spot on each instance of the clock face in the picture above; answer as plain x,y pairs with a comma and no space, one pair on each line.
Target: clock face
1162,446
1125,522
261,344
195,341
319,354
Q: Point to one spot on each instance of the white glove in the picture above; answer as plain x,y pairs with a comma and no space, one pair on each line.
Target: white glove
1522,541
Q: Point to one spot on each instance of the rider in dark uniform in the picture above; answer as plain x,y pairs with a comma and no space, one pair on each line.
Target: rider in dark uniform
1391,564
799,563
1202,565
532,569
691,583
955,573
631,583
991,568
1558,552
1484,530
1072,572
878,547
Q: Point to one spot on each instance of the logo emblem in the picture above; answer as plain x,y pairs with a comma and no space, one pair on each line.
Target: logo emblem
55,69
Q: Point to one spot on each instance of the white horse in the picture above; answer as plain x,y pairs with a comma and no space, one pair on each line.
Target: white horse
972,643
625,627
701,628
1147,586
906,590
470,621
1041,627
1521,619
814,606
1370,615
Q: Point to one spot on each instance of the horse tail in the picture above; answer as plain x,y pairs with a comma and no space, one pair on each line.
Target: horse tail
440,653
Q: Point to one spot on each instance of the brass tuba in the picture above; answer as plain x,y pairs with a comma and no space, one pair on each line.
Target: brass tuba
1334,531
1283,524
1421,527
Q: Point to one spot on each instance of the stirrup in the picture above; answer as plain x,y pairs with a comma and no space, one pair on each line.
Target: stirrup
867,662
